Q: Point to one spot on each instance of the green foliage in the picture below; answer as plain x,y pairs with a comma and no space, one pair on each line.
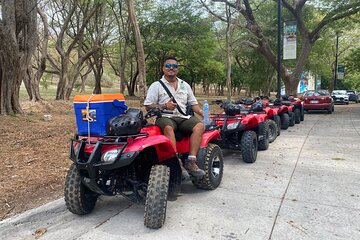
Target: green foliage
176,29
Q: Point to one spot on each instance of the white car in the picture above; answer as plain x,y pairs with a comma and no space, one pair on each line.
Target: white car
340,96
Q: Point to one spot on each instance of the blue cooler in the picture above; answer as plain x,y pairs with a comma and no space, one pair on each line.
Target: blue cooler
94,111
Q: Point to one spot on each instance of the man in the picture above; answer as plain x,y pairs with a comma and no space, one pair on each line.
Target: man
183,95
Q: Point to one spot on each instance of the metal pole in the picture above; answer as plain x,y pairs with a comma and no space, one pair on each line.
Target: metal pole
278,49
336,60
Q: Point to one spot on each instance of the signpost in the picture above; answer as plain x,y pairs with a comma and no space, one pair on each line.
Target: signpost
289,39
340,72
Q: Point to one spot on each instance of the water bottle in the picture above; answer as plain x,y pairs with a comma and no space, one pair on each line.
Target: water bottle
206,113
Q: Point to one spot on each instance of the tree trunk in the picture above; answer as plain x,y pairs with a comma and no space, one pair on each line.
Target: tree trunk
228,53
139,50
18,38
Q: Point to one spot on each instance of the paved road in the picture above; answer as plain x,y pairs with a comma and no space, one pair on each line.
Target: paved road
305,186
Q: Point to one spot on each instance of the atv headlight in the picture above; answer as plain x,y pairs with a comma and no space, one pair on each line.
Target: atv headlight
110,156
232,125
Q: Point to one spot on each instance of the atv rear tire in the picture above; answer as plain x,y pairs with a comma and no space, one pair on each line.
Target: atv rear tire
297,116
291,119
213,167
285,121
249,146
156,196
278,123
78,198
302,115
273,130
263,135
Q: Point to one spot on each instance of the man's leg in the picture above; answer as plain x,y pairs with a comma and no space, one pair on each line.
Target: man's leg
168,127
195,138
169,132
196,128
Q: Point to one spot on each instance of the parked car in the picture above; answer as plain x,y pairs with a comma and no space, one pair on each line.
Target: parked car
340,96
353,95
318,100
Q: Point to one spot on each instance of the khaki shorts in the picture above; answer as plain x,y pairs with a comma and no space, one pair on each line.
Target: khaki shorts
178,123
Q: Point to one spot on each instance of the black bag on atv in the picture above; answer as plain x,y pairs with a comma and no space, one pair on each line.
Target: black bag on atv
277,102
257,107
233,109
128,124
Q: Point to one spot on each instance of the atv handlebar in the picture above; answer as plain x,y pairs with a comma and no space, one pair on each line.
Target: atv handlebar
157,112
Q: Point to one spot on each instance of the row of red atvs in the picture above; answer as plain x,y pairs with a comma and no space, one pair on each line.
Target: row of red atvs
134,159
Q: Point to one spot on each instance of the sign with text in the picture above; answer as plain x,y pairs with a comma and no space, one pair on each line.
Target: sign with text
289,47
340,72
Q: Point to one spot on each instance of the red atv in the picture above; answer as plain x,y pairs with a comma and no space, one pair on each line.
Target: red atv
138,162
274,120
242,129
285,111
298,107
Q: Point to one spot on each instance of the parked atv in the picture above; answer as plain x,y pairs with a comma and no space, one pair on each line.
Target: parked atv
138,162
284,110
298,107
242,129
273,120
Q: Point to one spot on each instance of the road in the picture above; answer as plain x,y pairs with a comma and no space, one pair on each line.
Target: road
305,186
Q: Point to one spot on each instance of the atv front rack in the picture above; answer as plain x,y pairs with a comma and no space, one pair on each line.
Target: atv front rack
91,162
82,158
222,121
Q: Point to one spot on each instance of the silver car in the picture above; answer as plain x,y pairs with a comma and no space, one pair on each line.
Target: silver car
340,96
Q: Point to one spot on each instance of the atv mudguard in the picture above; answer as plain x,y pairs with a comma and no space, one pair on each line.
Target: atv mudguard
271,112
252,120
162,145
209,136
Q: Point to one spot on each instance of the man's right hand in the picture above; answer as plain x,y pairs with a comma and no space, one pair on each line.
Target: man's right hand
170,105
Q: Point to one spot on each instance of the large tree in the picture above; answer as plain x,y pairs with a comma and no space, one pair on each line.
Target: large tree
310,31
18,40
68,23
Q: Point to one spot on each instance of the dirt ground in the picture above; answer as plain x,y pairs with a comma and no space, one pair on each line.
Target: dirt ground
34,155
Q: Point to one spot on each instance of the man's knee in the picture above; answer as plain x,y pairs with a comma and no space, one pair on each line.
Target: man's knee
168,130
199,128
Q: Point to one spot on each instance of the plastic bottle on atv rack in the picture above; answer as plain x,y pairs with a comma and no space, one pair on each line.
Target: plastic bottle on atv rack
206,113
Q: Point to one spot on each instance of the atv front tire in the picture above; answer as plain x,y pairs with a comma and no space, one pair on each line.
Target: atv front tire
249,146
291,119
285,121
302,115
297,116
277,119
156,196
263,135
273,130
78,198
213,167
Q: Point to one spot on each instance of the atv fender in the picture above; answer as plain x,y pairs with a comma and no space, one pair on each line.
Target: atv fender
209,136
271,112
162,144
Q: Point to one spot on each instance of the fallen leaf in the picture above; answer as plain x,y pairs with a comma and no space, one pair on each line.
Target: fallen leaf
39,232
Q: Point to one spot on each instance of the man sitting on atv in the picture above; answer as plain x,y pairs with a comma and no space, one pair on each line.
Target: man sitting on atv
176,98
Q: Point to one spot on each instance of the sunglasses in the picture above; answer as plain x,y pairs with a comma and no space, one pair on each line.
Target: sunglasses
174,66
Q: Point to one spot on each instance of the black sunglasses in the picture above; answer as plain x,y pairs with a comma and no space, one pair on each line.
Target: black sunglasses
174,66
